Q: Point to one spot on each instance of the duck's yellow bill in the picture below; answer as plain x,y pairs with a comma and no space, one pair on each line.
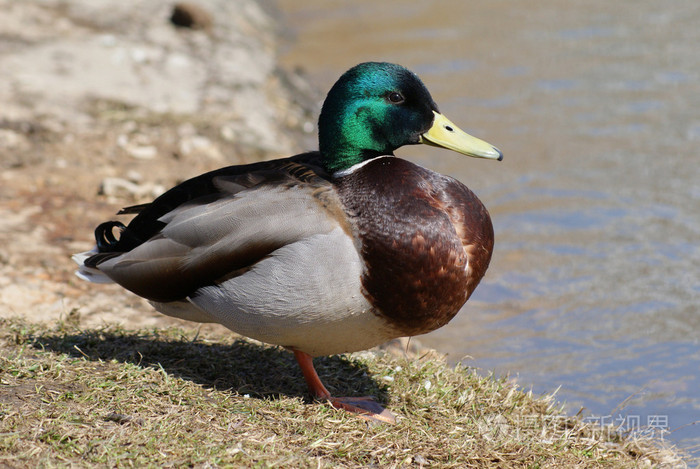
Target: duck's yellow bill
445,134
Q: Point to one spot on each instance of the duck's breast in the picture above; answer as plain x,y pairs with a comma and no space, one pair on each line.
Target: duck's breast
425,240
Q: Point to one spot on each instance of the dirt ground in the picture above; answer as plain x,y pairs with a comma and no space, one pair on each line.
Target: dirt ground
107,104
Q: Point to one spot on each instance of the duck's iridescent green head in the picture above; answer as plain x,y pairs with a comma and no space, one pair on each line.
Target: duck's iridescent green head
377,107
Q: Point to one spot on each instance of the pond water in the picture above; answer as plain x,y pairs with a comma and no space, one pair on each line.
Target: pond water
594,287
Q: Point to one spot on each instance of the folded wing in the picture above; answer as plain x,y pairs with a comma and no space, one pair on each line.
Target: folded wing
221,232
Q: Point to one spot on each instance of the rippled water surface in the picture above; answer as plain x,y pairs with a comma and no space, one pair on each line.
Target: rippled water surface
594,286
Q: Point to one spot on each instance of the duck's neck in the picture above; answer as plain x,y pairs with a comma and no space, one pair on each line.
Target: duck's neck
339,163
348,135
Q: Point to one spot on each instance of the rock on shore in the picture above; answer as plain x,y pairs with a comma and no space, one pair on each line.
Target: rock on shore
61,57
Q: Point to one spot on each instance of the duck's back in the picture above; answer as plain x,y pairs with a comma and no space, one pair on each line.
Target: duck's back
425,238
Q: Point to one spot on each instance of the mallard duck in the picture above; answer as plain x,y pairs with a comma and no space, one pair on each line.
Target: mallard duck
326,252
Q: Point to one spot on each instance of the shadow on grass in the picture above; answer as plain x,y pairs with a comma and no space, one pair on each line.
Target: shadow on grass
243,367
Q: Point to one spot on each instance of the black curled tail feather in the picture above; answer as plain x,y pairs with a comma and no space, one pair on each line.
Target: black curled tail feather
107,243
104,236
110,245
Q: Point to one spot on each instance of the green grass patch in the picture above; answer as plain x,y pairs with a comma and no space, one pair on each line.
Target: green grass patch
162,398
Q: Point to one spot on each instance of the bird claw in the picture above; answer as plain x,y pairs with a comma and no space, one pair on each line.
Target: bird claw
365,407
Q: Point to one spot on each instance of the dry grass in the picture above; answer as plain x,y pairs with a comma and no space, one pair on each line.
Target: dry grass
120,398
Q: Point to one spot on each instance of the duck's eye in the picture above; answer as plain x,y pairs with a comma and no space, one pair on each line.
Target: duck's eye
395,97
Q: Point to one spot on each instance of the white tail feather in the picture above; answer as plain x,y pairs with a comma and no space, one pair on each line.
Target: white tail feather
89,273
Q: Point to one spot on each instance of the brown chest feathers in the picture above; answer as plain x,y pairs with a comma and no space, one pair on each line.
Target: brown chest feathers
426,240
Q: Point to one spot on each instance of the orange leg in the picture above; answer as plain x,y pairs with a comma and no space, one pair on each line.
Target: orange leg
365,407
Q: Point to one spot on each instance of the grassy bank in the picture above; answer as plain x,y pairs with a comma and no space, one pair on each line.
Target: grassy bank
112,397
